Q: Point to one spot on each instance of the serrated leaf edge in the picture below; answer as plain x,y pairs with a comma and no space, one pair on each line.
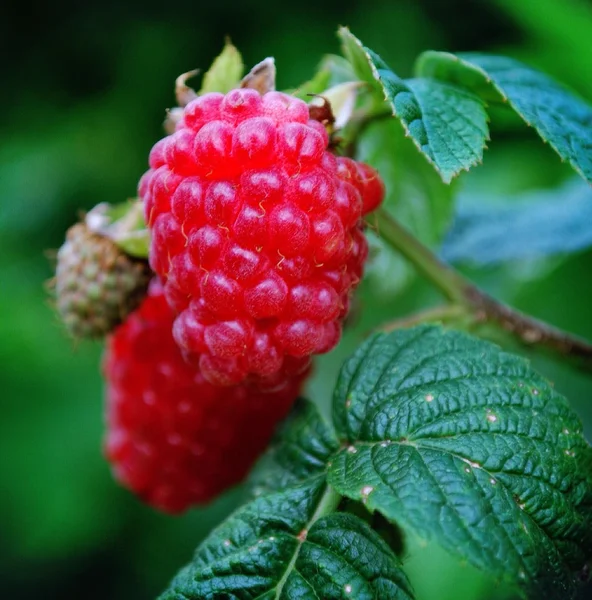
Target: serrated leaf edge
504,99
372,58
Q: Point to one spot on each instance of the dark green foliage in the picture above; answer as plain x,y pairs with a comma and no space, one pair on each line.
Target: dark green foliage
445,435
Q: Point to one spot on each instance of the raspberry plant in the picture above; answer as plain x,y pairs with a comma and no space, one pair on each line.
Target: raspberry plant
257,205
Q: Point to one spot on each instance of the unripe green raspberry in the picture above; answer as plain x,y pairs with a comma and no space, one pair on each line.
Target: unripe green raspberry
97,285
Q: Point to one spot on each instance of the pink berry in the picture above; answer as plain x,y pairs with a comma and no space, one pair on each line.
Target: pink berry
255,218
172,437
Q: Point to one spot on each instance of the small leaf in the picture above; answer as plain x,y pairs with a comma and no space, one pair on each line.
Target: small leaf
357,56
301,449
135,243
225,73
316,85
124,224
341,99
448,124
183,93
559,117
284,545
340,69
533,225
458,441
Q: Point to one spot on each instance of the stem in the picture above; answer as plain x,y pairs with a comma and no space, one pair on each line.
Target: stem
469,300
448,281
530,331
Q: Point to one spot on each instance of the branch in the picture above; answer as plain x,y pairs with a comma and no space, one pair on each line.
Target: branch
474,303
528,330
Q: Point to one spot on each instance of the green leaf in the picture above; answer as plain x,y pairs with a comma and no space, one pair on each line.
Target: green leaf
124,224
284,545
136,243
534,225
414,193
300,450
559,34
339,68
558,116
448,124
460,442
357,56
319,83
225,73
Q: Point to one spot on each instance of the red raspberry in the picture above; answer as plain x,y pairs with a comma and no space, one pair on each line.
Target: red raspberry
256,231
173,438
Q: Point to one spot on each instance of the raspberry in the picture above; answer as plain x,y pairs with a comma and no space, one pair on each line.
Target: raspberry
97,285
173,438
256,232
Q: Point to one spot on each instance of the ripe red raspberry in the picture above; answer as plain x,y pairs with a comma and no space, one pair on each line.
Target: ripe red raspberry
256,231
173,438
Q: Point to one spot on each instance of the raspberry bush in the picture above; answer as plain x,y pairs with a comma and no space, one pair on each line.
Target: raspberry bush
259,208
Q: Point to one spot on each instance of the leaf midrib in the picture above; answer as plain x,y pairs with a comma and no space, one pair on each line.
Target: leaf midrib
319,512
417,446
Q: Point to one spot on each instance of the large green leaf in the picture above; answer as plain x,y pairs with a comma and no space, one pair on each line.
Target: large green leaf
300,450
460,442
284,545
448,124
534,225
559,117
357,56
414,193
288,542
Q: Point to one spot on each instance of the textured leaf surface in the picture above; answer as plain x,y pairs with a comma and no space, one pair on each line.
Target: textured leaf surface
559,117
448,124
225,73
282,546
300,450
534,225
463,443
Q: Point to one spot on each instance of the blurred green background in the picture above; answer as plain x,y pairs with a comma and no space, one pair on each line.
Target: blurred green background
85,87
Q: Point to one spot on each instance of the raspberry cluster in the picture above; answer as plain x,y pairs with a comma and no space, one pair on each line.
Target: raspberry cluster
173,438
257,234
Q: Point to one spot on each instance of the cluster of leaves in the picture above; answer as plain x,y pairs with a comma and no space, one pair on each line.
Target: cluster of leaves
445,435
443,108
443,112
